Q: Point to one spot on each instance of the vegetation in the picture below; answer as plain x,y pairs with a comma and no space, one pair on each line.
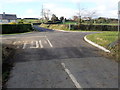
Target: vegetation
28,21
108,40
8,52
55,26
15,28
81,27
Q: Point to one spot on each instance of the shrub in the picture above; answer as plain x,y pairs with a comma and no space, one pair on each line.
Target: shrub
15,28
12,23
96,27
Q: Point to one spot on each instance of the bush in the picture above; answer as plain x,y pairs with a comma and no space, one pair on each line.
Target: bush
95,27
12,23
55,26
15,28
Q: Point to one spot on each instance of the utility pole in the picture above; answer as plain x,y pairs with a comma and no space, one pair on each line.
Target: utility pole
118,17
42,12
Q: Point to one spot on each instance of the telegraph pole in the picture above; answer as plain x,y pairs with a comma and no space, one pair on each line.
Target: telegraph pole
118,17
42,12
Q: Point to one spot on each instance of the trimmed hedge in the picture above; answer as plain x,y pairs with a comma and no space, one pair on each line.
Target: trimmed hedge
81,27
95,27
15,28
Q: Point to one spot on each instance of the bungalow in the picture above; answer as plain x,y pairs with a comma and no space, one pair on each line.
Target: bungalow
7,18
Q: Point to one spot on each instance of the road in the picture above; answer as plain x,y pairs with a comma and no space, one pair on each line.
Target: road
55,59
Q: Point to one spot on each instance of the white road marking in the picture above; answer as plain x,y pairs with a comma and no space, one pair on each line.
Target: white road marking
19,41
24,45
49,42
37,44
40,42
31,44
71,76
14,43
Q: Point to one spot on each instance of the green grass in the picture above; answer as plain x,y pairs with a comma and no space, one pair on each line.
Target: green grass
70,23
104,38
108,40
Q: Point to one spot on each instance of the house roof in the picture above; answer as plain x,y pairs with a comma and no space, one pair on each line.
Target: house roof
8,16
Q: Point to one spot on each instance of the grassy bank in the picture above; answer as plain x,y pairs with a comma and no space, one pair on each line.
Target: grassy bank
109,40
8,52
104,39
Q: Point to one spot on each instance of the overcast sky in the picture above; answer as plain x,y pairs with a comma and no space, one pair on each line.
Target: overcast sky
66,8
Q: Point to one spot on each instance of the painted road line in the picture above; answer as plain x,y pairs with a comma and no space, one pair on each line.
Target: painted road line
14,43
24,45
49,42
37,44
31,44
40,42
19,41
71,76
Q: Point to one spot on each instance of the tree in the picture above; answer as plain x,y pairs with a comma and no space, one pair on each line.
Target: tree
79,14
45,14
61,18
90,15
54,18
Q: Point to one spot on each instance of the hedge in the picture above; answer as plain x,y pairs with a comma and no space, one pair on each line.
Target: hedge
15,28
95,27
82,27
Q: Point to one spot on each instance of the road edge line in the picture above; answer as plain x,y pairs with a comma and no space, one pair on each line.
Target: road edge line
96,45
71,76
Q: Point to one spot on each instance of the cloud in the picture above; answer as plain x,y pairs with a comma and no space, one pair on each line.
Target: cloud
107,8
30,11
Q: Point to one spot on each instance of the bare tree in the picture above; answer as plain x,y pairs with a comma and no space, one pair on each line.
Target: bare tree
90,15
45,14
79,13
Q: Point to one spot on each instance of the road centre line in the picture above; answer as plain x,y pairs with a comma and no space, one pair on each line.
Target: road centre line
71,76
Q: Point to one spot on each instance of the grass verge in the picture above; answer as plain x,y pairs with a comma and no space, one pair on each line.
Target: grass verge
109,40
8,52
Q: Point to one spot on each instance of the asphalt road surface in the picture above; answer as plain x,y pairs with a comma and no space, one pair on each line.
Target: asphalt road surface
55,59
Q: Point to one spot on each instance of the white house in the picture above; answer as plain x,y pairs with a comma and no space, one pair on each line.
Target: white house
7,18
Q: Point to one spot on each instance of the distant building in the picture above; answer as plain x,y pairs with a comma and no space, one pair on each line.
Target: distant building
7,18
